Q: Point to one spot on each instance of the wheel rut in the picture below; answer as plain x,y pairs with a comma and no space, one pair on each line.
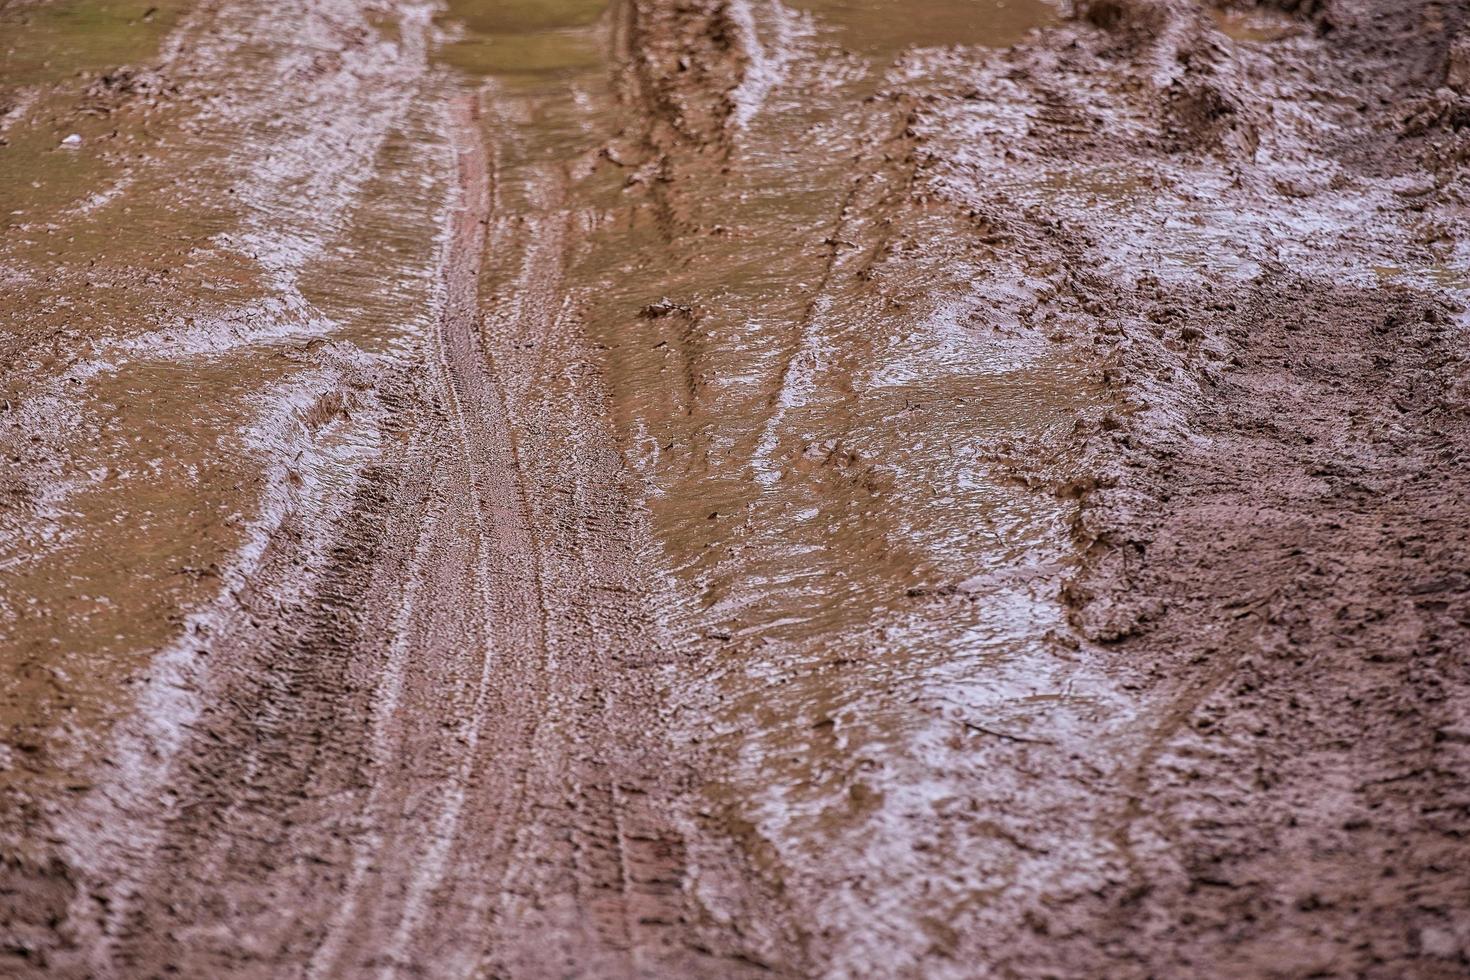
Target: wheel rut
431,746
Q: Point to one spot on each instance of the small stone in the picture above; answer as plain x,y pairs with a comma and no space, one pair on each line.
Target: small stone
73,141
1439,942
1457,74
664,307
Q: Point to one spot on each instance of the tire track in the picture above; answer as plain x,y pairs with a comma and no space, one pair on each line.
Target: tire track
598,882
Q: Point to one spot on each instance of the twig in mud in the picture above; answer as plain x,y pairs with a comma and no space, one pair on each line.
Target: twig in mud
1005,735
981,729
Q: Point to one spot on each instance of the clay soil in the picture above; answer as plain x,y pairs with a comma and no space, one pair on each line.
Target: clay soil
723,488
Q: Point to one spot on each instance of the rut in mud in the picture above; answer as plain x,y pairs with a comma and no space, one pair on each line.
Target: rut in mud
733,487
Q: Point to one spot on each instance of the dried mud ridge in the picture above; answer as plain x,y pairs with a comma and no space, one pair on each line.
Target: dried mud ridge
1271,524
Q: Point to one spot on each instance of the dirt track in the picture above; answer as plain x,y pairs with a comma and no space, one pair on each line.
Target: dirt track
727,487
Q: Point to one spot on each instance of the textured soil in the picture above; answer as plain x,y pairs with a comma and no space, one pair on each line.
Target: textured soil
1274,535
763,495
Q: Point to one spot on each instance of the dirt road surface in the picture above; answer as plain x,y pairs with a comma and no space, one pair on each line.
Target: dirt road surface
723,488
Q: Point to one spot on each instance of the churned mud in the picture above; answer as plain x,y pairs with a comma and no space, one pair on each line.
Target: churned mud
718,488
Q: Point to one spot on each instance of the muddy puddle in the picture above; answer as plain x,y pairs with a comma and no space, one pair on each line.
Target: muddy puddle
180,280
520,38
887,27
1253,26
55,59
819,399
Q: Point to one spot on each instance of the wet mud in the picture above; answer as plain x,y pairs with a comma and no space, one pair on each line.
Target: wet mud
734,487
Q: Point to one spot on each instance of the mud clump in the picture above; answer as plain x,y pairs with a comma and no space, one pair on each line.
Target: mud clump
1457,65
127,85
665,308
1124,16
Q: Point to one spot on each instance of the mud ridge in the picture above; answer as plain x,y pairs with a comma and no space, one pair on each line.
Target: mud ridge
1267,518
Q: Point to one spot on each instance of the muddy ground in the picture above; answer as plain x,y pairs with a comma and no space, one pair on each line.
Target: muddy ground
718,488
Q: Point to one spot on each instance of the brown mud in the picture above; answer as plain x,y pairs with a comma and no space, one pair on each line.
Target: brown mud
733,487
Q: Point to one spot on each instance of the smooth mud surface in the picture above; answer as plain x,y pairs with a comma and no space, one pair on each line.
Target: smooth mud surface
719,488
